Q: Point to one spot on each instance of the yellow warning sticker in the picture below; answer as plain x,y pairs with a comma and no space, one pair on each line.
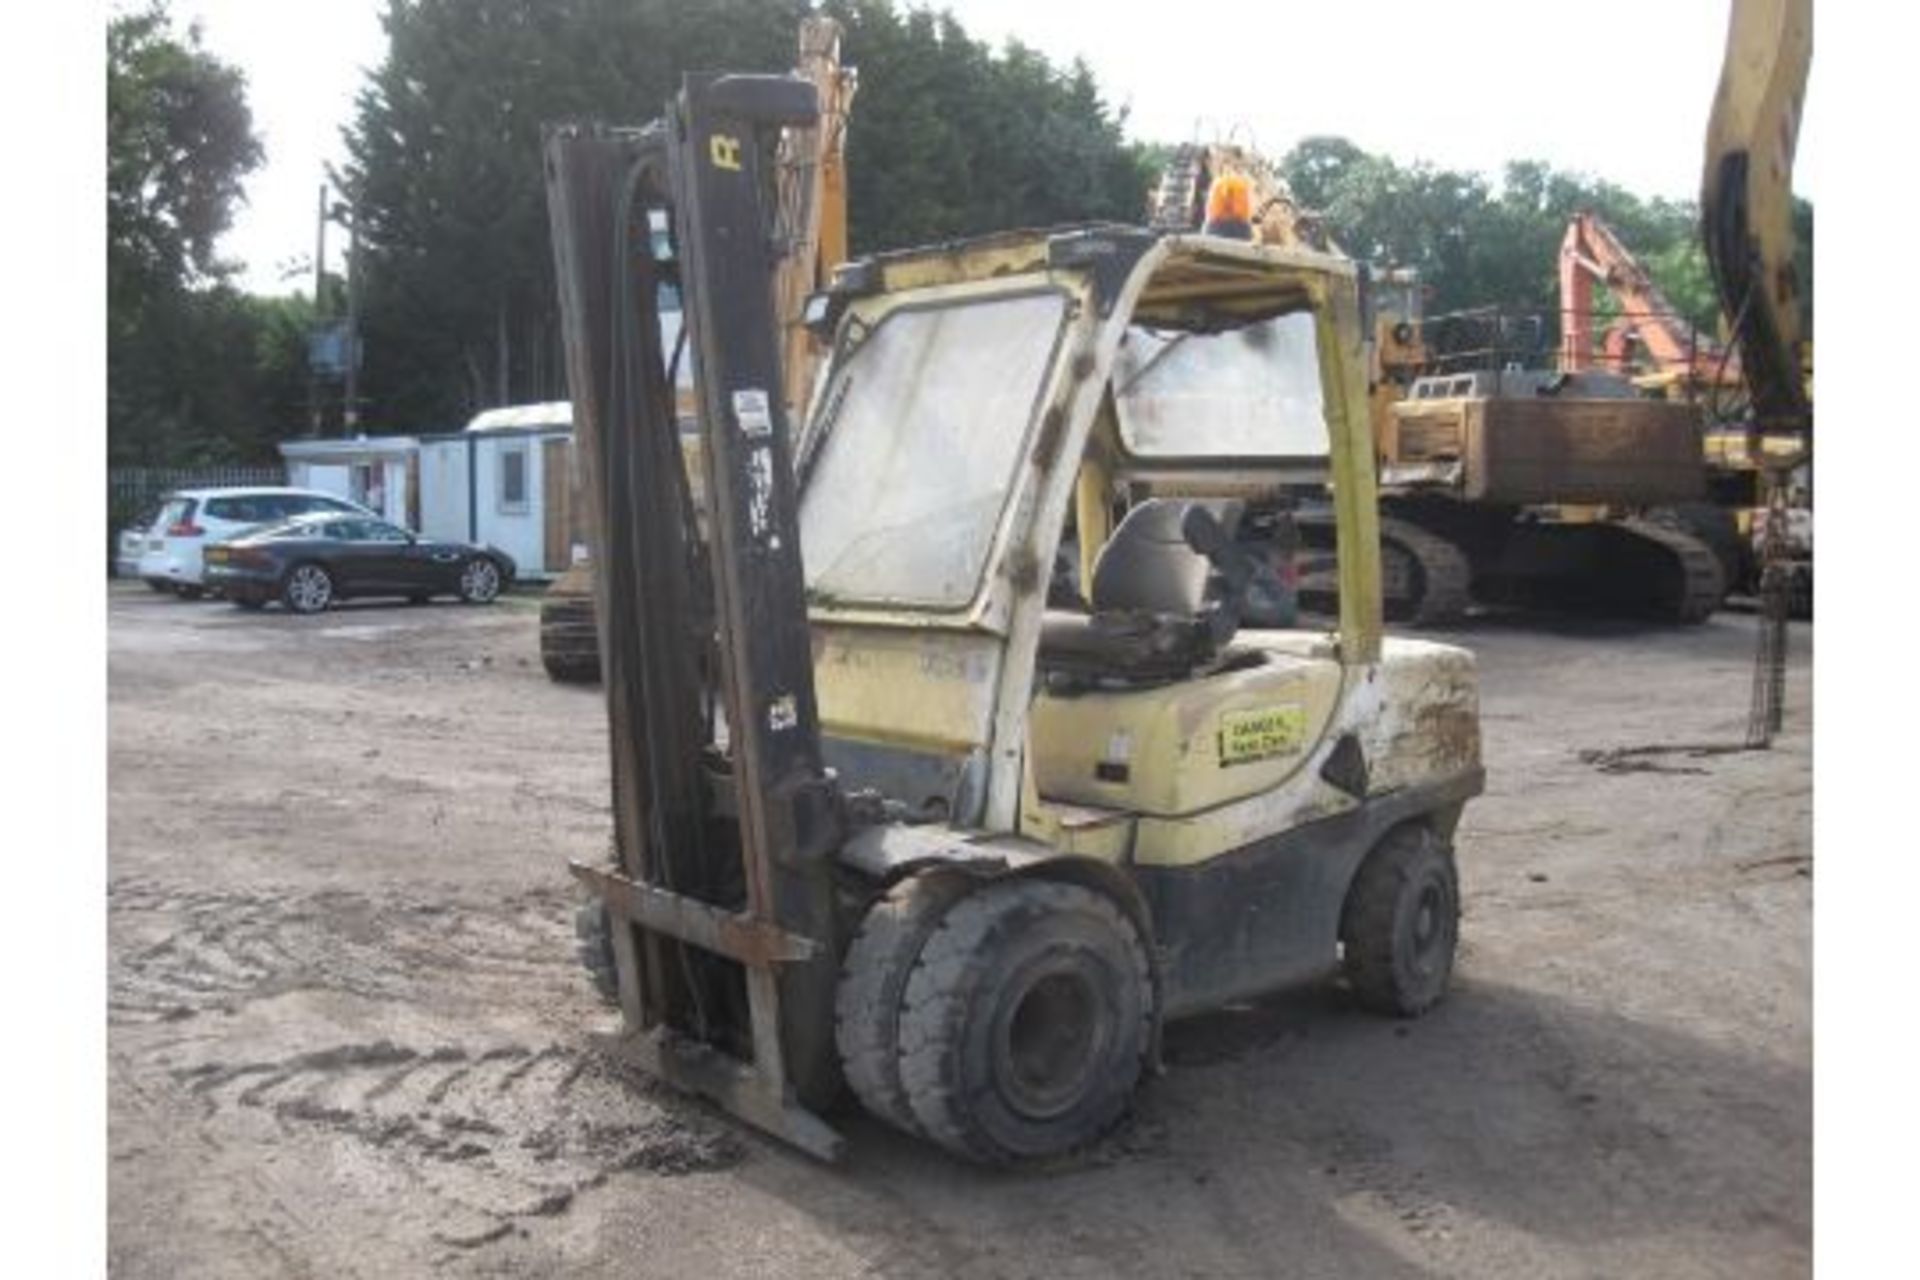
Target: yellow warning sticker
1262,732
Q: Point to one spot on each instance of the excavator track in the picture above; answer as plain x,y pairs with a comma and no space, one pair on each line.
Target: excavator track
1426,581
1629,568
1704,580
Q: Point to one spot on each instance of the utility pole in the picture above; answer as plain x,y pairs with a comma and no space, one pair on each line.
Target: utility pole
319,282
352,407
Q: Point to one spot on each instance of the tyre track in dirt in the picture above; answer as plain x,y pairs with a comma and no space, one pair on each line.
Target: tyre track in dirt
508,1132
178,952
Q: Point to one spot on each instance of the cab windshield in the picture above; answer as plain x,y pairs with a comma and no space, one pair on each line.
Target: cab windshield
922,430
1252,392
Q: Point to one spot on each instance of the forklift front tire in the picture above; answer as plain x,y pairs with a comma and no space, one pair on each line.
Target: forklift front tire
1026,1021
1401,923
873,983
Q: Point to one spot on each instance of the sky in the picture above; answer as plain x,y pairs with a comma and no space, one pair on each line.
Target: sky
1465,85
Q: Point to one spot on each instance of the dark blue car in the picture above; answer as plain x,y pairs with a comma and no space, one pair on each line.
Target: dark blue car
309,562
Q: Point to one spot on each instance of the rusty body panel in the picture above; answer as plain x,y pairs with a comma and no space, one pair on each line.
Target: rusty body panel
1539,451
729,933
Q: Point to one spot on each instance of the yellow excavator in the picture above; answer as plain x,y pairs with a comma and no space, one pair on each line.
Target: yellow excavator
810,195
1665,357
1746,198
1497,485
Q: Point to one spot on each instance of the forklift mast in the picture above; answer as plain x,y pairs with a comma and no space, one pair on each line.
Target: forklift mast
725,817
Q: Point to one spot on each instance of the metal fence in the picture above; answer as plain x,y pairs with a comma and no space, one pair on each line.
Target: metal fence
133,491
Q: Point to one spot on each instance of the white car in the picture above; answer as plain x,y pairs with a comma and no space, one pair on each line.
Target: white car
131,542
191,518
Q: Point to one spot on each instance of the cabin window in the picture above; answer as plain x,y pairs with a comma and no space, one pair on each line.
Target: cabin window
513,480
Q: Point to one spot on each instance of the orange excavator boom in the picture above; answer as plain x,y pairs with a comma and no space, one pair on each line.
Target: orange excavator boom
1591,253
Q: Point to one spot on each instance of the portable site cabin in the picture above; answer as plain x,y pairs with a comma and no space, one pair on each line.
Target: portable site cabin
380,473
507,480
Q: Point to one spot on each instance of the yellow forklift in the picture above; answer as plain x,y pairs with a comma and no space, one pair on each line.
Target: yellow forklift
885,821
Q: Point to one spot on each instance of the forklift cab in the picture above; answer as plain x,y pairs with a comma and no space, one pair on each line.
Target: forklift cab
981,399
984,399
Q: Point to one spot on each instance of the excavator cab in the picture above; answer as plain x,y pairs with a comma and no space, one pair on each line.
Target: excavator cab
891,822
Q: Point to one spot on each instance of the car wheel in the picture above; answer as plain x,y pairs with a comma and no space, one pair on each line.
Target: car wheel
188,591
479,581
308,589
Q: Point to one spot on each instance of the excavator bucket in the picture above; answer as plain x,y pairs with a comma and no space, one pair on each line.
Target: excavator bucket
725,818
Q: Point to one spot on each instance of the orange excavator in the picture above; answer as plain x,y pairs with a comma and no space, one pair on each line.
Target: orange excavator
1648,329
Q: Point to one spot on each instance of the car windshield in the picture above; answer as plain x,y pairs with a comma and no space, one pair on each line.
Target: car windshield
924,425
1252,392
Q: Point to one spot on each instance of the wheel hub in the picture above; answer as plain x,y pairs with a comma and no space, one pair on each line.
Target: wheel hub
1050,1046
309,588
1429,924
480,581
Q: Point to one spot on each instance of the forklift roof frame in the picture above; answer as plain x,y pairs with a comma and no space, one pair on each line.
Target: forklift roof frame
1112,278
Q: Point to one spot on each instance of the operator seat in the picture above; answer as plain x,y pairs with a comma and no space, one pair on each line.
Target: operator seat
1151,619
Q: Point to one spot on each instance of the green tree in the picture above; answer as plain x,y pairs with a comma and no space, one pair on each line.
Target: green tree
445,175
179,143
1478,243
947,138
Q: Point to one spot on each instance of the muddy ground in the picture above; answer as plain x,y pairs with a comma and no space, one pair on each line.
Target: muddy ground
347,1036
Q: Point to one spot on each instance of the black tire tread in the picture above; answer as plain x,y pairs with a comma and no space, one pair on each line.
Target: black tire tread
873,980
569,643
1367,920
945,976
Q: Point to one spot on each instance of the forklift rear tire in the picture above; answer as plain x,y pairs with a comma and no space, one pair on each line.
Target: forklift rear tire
1026,1021
873,982
1401,923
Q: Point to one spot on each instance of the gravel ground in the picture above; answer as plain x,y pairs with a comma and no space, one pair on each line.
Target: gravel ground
346,1035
